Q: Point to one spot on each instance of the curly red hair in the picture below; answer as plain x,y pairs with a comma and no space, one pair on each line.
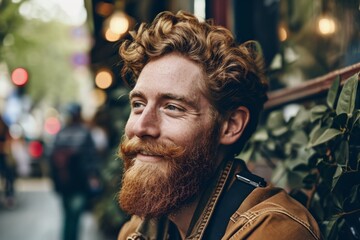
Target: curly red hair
234,74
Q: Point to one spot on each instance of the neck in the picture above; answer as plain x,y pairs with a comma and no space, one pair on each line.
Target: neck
183,218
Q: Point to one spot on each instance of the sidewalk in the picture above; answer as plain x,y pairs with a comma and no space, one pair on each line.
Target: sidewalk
37,215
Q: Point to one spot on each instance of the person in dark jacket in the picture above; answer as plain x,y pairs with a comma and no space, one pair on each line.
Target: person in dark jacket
74,165
7,172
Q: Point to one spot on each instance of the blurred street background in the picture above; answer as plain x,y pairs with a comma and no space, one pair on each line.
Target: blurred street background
58,52
37,215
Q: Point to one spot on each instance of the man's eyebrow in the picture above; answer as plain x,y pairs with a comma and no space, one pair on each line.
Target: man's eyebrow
187,100
135,93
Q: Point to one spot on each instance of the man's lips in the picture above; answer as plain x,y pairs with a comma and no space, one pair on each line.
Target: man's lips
145,156
143,152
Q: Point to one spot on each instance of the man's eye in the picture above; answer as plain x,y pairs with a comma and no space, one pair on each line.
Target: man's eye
137,105
172,107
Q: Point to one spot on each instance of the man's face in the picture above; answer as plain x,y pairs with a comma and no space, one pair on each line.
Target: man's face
170,141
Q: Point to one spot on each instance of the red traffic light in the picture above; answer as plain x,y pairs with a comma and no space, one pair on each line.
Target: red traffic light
19,76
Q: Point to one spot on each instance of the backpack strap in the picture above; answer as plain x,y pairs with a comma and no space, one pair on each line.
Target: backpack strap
244,184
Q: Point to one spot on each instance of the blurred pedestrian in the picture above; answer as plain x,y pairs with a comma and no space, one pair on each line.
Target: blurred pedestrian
20,155
74,168
6,169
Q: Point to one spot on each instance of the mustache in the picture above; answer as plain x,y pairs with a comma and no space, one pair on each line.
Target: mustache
129,148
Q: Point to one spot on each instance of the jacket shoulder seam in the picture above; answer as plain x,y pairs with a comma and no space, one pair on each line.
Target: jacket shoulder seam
250,216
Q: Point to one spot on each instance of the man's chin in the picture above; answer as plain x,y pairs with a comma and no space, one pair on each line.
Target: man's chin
147,191
145,209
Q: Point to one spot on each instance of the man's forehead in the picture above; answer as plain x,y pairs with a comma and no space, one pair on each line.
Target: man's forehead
171,76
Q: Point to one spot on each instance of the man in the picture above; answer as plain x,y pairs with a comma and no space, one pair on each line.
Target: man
196,99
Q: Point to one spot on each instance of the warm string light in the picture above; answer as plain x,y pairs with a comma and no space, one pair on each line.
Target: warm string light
326,25
326,21
119,23
116,24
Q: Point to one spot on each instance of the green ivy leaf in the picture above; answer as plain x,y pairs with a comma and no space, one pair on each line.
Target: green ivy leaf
304,154
293,164
300,138
279,175
337,200
342,153
355,192
337,175
356,117
331,227
301,118
295,179
317,112
315,133
277,132
275,120
346,103
270,145
288,147
333,91
326,136
261,135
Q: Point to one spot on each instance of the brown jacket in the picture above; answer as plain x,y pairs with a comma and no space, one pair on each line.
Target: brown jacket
267,213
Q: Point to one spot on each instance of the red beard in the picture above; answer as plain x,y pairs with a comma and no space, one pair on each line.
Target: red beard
157,189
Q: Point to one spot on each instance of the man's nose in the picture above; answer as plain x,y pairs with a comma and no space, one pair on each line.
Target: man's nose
148,124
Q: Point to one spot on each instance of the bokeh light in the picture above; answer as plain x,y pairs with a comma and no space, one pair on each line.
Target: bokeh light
36,149
110,36
326,25
104,9
52,125
282,34
119,23
103,79
19,76
100,97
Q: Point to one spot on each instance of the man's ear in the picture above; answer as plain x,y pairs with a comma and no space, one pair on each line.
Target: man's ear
234,125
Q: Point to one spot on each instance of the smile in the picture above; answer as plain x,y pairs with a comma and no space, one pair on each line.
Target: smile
144,156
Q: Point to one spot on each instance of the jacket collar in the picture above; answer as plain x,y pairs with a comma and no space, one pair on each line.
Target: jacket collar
208,201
